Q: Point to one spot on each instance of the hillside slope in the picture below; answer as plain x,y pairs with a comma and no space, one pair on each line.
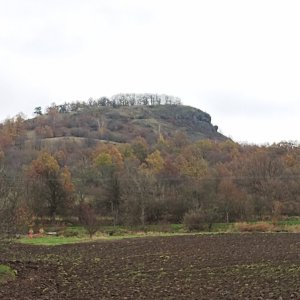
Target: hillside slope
124,123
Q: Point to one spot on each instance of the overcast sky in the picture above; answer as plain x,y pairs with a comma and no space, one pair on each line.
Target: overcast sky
237,60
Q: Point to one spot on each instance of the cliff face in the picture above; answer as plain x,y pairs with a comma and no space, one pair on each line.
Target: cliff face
194,122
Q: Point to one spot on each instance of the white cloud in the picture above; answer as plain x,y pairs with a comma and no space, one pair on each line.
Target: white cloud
237,60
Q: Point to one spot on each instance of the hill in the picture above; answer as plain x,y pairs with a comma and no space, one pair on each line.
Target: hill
123,124
139,164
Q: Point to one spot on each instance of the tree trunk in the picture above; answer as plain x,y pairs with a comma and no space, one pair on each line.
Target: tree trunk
227,217
143,213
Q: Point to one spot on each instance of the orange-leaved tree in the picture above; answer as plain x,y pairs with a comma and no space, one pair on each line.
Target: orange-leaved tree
108,163
51,185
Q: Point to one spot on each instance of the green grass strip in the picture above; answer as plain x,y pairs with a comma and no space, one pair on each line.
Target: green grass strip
6,274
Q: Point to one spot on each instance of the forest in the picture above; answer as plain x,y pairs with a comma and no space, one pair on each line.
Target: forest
52,167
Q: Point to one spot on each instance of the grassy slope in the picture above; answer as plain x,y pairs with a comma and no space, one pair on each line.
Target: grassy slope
123,124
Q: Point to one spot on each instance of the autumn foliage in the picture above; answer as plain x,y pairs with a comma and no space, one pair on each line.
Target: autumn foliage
168,179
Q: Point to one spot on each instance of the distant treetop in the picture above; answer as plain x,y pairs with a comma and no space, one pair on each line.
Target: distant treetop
117,100
144,99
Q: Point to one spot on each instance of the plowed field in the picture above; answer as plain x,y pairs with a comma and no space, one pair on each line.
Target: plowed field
229,266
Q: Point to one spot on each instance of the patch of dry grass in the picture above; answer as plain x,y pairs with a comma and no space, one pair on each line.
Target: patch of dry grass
291,228
256,227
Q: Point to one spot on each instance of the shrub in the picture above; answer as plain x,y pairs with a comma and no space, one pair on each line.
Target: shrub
195,220
88,218
72,233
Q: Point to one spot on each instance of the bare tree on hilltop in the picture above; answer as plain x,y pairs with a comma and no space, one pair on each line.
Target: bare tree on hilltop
129,99
144,99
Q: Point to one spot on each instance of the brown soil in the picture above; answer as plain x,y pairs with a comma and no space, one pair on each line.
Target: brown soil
229,266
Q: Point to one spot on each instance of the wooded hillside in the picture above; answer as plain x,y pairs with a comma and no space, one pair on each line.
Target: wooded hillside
139,164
